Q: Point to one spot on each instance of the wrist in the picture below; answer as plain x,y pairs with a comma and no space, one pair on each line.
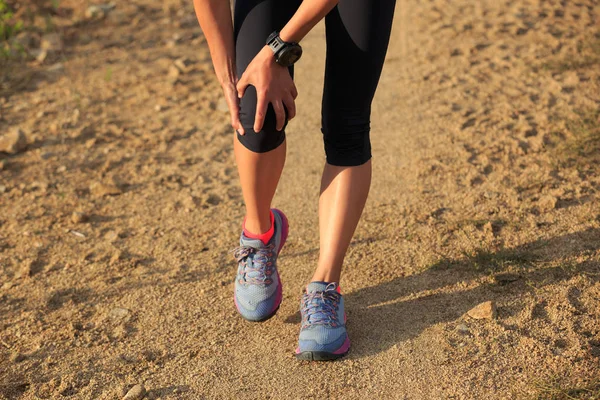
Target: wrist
226,74
267,54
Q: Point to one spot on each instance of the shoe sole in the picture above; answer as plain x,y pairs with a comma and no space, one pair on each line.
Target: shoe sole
319,356
284,234
324,355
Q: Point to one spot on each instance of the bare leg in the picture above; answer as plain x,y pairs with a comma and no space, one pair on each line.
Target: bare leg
344,192
259,176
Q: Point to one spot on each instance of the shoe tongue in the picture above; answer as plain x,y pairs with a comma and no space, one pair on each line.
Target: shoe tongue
255,243
320,287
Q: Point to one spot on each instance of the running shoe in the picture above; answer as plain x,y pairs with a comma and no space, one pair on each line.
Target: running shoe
258,290
323,333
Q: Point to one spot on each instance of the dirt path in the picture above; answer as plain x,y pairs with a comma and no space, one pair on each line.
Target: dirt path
486,188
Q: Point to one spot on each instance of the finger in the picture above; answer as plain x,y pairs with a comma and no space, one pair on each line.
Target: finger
279,114
294,91
290,106
234,111
241,86
261,111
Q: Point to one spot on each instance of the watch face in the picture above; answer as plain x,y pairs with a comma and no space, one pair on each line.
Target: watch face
290,55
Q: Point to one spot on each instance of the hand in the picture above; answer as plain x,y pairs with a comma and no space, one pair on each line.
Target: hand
233,103
273,85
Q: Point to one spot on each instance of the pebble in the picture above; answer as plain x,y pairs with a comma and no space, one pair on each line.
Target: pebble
99,189
98,11
13,142
51,42
463,329
94,12
183,64
135,393
120,314
39,54
79,217
3,189
3,164
17,357
111,236
116,257
485,310
7,285
173,74
547,203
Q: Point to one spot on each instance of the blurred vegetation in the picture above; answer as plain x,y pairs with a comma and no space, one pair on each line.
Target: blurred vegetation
17,16
9,27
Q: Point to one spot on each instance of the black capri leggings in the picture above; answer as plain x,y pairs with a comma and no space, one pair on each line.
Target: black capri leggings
357,34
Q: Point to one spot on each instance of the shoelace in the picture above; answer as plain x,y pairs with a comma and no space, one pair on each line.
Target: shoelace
320,308
257,263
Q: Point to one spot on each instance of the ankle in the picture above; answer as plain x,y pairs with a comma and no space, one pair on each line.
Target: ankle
257,226
257,229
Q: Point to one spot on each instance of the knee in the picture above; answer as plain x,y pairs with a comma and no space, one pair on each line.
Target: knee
268,138
347,140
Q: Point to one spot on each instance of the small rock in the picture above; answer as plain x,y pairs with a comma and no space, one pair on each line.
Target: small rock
116,257
17,357
485,310
173,74
79,217
120,314
3,189
61,169
547,203
39,54
111,236
99,189
94,12
98,11
462,329
52,42
135,393
3,164
183,64
7,285
13,142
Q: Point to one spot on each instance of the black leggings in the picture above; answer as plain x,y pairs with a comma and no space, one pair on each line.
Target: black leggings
357,34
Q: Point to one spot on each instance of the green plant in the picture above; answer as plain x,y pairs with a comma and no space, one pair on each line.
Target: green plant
8,26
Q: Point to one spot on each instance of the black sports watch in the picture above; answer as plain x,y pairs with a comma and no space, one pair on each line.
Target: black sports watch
286,53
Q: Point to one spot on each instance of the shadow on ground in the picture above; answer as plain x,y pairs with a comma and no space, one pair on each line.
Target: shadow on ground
378,318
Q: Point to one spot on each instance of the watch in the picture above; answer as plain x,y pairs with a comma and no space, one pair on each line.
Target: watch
286,53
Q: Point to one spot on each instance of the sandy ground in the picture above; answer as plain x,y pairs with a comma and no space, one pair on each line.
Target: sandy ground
486,188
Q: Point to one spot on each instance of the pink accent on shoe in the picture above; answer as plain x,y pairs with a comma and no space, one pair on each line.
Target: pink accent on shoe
345,347
284,229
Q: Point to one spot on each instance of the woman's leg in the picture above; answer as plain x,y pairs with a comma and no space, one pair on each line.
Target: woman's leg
357,37
259,175
260,156
344,192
